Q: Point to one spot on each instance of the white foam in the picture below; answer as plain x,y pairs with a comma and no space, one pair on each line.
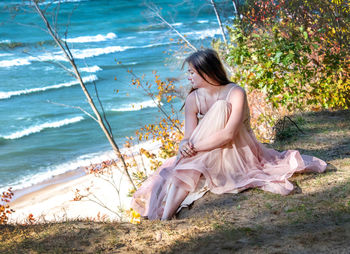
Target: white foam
49,68
154,45
81,161
77,54
6,95
58,56
40,127
94,38
55,56
148,32
91,52
136,106
177,24
14,62
202,21
68,1
61,1
131,63
5,41
5,54
129,38
204,33
94,68
30,59
84,53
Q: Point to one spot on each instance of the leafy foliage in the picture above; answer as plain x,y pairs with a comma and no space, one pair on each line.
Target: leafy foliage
293,64
294,55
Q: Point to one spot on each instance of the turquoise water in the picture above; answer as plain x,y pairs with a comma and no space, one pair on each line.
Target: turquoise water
39,139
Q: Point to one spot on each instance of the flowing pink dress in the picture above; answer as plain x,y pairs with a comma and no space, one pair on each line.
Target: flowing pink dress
243,163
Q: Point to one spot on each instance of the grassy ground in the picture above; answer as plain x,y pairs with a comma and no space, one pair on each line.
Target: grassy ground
314,219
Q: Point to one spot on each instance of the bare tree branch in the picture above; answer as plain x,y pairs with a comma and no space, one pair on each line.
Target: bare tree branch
103,110
37,27
97,201
76,107
66,51
155,101
101,105
157,13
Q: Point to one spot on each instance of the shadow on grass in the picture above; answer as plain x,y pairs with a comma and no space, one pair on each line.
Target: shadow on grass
327,134
60,237
320,223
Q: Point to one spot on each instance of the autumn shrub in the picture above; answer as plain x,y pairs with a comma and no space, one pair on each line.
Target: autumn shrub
294,54
167,131
295,72
5,209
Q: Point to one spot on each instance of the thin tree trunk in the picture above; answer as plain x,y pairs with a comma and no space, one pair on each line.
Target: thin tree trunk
220,23
237,15
70,58
172,27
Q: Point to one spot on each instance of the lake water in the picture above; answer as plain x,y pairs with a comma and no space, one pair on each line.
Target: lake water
39,139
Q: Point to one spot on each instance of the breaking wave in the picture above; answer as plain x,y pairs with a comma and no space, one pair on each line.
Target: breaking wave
6,95
136,106
40,127
94,38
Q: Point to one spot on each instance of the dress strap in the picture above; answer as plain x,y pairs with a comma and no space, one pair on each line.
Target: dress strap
197,102
229,92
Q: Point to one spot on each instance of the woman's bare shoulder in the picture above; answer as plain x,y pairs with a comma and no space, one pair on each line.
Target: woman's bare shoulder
191,96
236,92
234,86
190,103
234,89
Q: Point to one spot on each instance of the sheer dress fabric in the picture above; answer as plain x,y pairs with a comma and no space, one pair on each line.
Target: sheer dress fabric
242,163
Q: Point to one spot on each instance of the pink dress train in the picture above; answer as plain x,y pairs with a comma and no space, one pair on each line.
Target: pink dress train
243,163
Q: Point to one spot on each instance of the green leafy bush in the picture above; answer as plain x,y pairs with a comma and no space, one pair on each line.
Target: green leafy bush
296,60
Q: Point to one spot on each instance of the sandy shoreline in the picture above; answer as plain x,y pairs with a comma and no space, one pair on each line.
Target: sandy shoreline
64,177
55,202
53,199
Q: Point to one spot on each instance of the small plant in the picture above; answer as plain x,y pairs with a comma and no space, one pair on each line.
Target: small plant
30,219
167,131
134,217
106,172
5,209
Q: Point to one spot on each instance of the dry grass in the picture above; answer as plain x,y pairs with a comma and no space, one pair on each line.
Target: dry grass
314,219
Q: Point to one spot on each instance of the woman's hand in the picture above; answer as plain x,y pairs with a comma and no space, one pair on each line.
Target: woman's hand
187,149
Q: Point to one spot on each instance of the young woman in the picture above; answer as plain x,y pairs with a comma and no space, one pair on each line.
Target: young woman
219,151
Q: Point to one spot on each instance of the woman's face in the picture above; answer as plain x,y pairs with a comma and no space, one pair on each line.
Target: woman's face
196,80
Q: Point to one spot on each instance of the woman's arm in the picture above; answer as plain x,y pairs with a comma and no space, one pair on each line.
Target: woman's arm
191,122
225,135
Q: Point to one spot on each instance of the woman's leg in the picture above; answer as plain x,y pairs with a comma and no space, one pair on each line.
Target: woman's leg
175,197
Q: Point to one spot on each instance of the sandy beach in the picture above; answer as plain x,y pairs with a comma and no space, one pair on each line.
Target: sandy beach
57,199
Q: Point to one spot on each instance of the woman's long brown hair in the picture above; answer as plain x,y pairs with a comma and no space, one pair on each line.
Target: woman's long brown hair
207,62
